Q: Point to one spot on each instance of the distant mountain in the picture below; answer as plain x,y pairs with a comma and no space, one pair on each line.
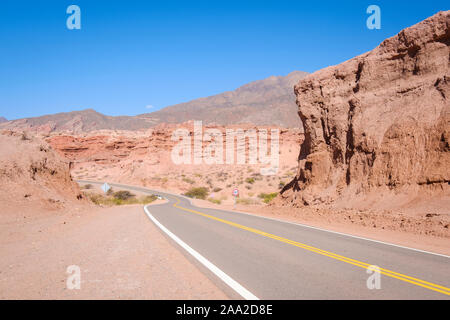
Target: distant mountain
265,102
3,119
79,121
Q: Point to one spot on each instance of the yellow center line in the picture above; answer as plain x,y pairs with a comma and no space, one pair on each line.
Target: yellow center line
389,273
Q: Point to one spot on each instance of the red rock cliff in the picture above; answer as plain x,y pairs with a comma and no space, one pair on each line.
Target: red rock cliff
379,122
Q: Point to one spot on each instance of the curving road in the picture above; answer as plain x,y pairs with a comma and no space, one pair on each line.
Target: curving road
256,257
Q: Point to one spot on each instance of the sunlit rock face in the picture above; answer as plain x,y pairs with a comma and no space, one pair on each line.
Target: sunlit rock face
378,123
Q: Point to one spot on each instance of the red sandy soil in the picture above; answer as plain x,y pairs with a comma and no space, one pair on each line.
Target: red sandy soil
122,255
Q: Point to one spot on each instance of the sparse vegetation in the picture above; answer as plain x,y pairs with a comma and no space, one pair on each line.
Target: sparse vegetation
123,195
216,201
246,201
250,180
148,199
267,197
87,187
281,184
217,189
197,193
100,199
190,181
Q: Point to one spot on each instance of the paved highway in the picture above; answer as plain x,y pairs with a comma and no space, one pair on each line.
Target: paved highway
260,258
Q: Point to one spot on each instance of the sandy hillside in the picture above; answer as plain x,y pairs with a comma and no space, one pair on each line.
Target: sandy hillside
34,180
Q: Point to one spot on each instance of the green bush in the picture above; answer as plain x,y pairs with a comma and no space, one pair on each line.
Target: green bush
100,199
190,181
281,184
216,201
197,193
123,195
250,180
148,199
267,197
246,201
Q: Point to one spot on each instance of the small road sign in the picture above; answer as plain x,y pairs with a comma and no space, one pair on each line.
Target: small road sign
105,187
235,192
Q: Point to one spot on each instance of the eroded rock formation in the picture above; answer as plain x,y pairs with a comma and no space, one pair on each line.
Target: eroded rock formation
378,123
33,178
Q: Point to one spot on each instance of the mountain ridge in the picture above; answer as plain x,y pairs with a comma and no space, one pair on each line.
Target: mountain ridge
270,101
253,102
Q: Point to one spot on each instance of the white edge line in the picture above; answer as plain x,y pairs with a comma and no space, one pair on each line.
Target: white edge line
301,225
210,266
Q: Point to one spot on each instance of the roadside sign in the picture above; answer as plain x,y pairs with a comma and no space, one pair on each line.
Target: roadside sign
105,187
235,192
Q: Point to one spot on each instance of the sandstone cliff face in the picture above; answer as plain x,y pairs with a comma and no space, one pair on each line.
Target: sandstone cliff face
379,123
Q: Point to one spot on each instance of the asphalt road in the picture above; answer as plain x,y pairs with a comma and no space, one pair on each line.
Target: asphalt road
280,260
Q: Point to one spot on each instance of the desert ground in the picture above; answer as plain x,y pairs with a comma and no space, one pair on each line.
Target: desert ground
370,158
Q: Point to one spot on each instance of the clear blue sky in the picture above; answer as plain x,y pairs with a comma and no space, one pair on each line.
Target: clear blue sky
132,54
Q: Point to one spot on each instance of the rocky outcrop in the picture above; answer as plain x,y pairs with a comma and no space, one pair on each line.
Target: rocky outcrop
145,158
378,123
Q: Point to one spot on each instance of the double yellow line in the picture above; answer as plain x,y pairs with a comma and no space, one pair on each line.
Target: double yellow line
386,272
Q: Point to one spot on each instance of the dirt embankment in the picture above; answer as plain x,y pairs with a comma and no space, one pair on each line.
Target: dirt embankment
34,179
